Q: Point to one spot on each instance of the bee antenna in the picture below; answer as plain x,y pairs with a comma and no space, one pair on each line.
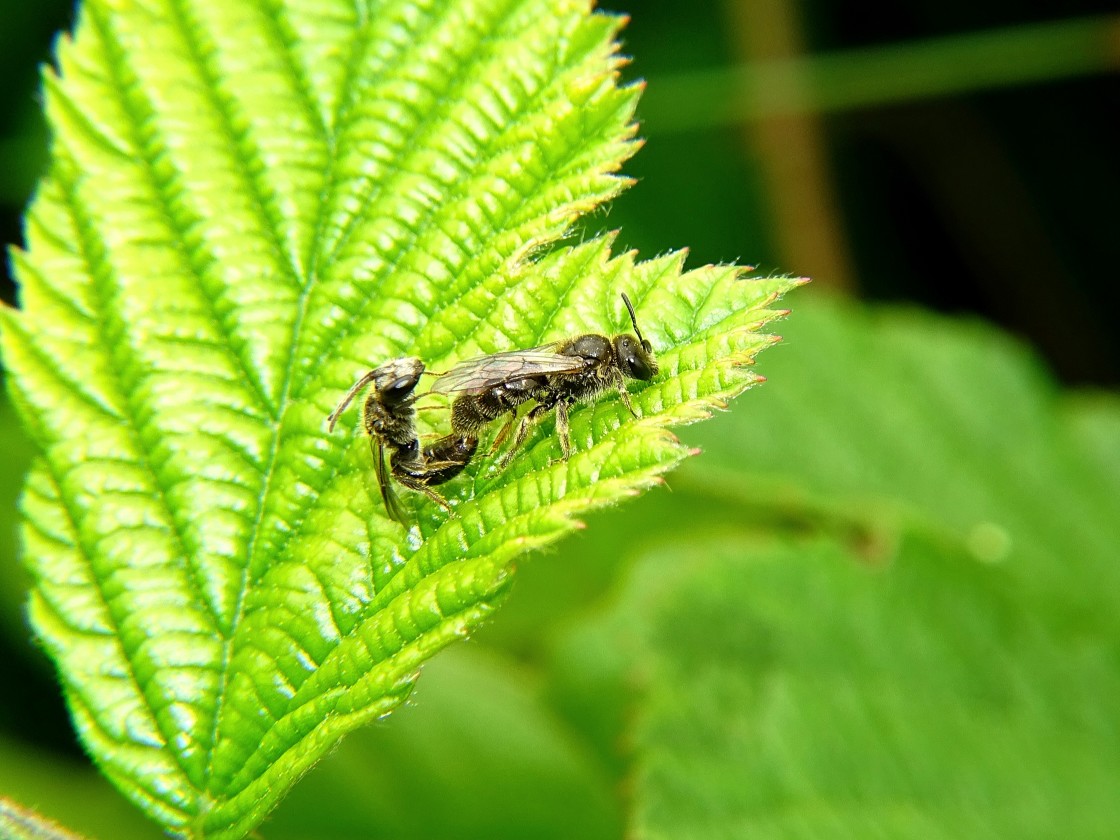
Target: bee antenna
353,392
634,319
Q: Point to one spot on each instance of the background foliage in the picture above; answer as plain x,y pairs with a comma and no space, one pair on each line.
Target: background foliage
910,513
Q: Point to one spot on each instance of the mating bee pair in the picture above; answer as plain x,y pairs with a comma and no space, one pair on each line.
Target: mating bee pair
555,376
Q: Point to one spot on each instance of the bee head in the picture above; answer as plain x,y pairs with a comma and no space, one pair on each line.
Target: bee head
634,357
634,354
393,384
395,380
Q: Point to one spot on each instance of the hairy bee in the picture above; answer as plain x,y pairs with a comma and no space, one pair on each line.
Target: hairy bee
556,376
390,420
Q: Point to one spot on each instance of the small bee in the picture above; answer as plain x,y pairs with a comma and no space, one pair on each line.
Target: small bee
390,421
555,375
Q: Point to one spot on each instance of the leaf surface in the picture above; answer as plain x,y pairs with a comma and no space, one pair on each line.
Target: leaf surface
249,204
886,605
793,691
476,752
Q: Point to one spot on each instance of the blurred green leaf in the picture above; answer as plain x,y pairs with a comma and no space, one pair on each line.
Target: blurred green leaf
792,691
247,206
884,605
76,796
904,420
474,753
19,823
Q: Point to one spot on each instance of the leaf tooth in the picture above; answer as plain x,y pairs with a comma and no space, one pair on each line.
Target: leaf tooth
78,104
144,775
52,393
392,642
39,295
116,711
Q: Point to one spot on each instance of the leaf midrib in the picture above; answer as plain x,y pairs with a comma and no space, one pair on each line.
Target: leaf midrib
350,325
424,127
330,341
270,472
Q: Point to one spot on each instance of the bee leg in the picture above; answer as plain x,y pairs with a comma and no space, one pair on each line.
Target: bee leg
412,483
436,497
522,432
563,429
392,504
504,433
620,383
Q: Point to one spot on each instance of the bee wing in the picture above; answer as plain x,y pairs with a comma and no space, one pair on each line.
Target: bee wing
384,481
476,375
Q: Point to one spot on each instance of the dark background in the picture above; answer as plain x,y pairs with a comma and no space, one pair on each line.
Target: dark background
996,200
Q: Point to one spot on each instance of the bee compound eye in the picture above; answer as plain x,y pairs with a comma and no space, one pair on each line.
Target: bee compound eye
638,368
398,389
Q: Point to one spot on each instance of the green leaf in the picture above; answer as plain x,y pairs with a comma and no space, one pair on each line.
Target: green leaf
19,823
915,422
70,793
248,205
794,691
886,606
476,752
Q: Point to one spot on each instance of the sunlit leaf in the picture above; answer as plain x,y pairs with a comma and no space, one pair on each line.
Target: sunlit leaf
249,204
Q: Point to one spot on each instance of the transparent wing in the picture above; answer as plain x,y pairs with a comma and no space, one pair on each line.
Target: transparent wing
384,481
479,374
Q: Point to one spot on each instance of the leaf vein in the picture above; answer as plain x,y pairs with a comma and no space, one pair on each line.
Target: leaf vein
279,30
96,585
102,273
243,149
151,149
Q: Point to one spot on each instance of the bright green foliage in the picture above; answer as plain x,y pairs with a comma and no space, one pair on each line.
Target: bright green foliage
249,204
893,610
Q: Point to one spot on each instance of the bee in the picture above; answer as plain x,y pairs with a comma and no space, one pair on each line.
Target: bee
390,421
556,376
